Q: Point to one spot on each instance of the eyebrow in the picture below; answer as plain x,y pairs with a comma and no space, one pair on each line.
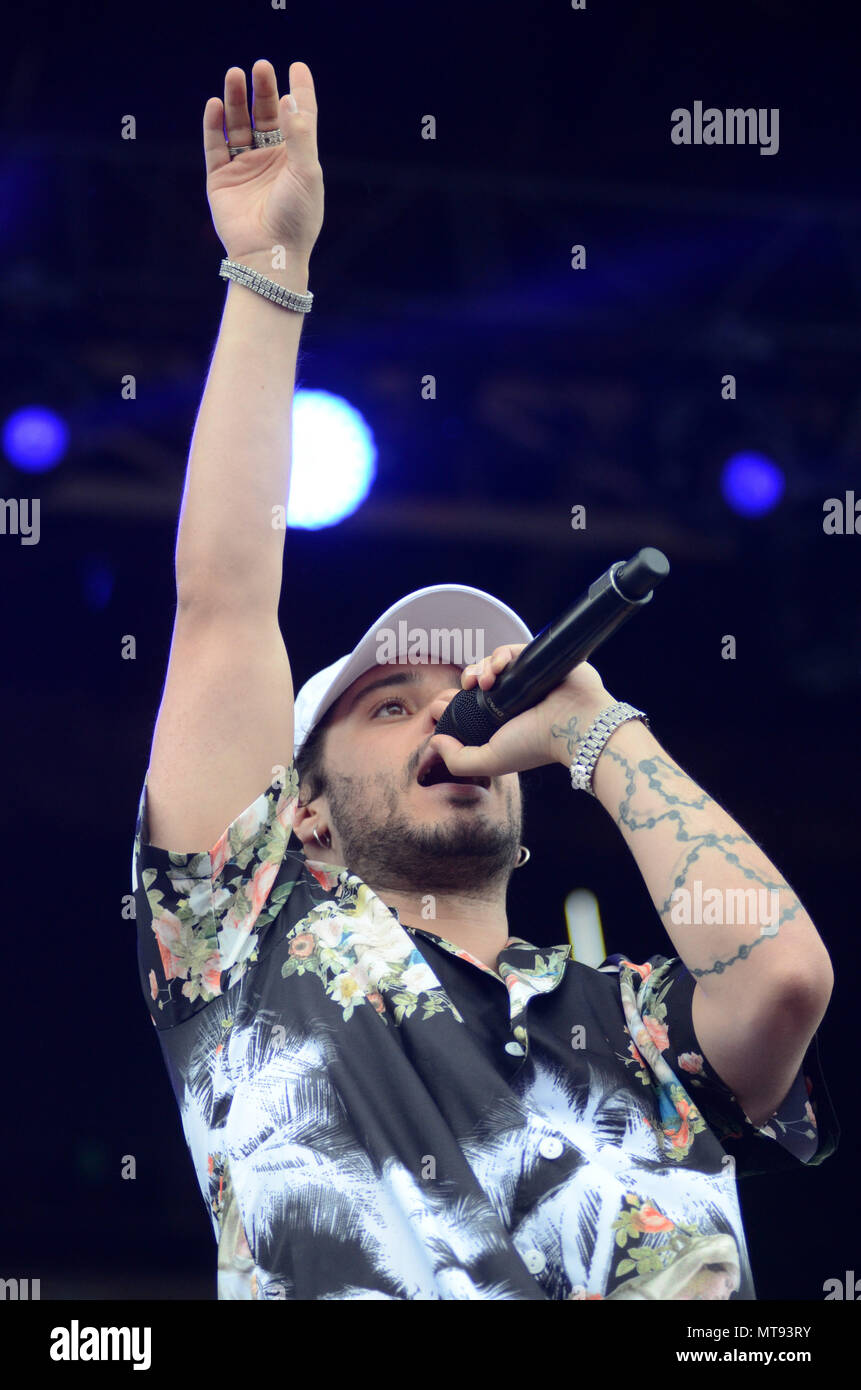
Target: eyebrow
397,678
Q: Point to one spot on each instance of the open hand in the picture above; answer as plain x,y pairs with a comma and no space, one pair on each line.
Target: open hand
272,196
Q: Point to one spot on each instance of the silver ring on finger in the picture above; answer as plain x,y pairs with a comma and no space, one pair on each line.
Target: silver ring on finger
234,150
267,137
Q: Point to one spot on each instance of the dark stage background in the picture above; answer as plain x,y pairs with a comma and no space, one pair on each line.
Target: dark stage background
555,387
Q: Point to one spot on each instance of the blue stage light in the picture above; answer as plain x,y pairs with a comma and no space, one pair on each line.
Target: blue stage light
752,484
334,460
35,439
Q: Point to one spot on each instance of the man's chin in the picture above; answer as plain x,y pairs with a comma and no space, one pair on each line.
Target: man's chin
460,832
460,820
429,838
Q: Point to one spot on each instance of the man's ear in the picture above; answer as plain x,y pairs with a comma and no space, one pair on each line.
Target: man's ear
308,817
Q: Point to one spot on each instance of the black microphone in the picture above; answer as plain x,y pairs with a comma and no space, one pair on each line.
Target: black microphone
473,716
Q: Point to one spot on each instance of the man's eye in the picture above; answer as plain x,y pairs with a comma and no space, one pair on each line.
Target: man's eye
387,705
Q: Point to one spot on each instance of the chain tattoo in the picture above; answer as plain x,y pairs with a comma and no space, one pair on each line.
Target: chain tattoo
658,771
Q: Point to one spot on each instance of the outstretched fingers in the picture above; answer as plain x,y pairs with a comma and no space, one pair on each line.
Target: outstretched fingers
302,88
265,108
237,118
214,145
231,117
299,127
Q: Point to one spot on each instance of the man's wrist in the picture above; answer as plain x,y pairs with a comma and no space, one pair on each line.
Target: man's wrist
568,736
290,269
631,742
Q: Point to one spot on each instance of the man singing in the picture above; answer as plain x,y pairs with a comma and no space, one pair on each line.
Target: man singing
386,1094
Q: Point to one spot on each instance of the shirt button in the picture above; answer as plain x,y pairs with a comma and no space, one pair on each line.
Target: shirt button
534,1260
550,1147
515,1049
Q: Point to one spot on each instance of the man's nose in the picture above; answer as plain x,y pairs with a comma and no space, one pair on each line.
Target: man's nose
441,701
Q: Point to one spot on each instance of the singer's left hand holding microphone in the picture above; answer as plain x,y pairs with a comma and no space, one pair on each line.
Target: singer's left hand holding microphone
549,732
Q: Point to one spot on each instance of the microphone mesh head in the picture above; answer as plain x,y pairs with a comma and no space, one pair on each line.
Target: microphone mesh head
467,720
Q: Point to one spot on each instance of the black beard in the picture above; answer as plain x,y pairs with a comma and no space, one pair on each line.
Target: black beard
463,855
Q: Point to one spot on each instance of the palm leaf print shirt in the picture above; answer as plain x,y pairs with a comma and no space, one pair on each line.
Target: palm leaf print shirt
372,1113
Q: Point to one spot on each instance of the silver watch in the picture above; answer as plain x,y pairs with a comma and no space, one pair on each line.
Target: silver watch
592,746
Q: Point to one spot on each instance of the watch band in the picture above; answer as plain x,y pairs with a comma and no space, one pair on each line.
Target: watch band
593,744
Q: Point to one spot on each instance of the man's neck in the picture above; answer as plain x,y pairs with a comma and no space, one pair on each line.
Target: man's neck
477,925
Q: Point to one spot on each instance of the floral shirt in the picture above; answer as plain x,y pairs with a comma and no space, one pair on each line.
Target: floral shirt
372,1113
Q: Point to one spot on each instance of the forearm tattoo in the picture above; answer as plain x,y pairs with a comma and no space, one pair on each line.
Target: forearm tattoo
569,732
660,776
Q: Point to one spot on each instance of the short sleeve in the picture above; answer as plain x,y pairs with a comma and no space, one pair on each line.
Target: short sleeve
201,917
803,1130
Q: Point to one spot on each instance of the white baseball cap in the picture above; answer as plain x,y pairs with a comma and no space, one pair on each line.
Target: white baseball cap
446,624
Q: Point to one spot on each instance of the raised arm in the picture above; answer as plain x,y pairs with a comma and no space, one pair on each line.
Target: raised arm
226,716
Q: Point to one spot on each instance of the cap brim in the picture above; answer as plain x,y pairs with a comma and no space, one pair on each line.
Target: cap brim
445,624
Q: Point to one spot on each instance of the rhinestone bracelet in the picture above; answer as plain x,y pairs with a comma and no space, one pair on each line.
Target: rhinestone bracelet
270,289
593,743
